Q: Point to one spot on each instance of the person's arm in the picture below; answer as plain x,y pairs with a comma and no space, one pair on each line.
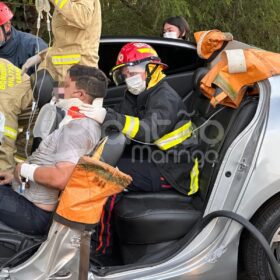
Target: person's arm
159,119
55,176
78,13
32,61
6,177
75,141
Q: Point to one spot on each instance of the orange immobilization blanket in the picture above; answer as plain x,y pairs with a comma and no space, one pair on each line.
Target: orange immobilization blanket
91,183
210,41
255,65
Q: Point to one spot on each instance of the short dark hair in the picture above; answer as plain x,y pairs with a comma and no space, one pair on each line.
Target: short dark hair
181,23
92,80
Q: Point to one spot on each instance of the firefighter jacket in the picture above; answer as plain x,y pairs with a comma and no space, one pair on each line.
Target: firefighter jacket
157,117
76,27
15,96
20,47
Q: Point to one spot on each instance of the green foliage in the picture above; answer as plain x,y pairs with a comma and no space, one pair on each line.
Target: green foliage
24,14
139,17
251,21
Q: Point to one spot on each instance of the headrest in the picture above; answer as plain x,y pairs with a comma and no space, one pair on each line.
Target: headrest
110,148
42,86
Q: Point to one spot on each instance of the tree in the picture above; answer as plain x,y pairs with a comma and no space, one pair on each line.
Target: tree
254,22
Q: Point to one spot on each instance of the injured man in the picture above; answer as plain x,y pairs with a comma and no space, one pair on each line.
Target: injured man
47,171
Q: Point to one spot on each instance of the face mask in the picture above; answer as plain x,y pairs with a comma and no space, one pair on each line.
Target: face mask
135,84
170,35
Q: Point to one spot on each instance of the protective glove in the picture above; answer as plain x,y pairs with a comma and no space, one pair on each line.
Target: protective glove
96,113
42,5
30,62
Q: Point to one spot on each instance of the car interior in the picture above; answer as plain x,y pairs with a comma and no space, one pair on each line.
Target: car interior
143,221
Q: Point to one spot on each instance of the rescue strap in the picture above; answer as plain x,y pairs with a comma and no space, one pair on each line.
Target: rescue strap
236,61
60,3
169,140
10,132
66,59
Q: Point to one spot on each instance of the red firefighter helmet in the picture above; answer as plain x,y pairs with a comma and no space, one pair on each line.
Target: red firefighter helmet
133,54
5,13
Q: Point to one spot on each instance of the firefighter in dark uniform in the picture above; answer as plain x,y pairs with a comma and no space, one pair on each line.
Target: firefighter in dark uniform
152,114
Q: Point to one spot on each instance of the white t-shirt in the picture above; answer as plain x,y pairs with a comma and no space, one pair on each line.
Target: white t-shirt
66,144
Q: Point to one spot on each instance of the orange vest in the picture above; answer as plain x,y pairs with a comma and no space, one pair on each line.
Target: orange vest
210,41
88,189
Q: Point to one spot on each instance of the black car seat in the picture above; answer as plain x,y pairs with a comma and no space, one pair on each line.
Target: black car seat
149,224
13,242
49,118
193,99
233,121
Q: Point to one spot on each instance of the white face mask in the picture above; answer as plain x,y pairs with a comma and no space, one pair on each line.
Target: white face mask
170,35
135,84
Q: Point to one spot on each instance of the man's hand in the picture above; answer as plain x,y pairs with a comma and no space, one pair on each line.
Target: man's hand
17,173
6,177
96,113
30,62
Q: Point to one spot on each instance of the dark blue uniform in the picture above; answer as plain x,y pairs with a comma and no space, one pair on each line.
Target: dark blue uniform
20,47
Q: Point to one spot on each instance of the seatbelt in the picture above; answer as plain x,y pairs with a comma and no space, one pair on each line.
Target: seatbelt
217,52
235,113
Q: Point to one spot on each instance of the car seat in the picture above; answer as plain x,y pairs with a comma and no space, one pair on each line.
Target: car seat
148,225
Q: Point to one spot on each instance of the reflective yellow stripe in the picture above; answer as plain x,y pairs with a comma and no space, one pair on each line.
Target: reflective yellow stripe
131,126
60,3
66,59
9,75
194,178
3,76
10,132
147,50
175,137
